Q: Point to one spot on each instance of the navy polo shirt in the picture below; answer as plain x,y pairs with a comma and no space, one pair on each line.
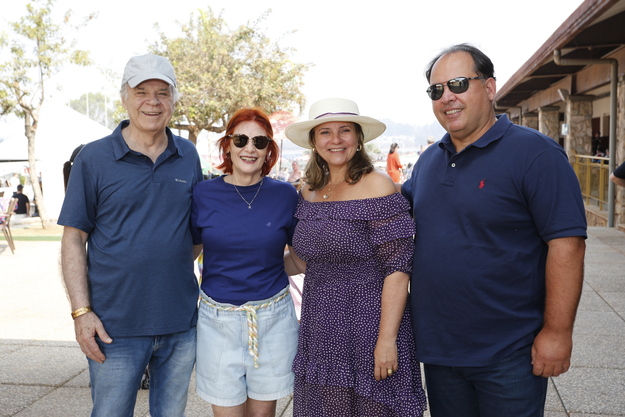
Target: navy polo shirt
619,172
136,212
483,218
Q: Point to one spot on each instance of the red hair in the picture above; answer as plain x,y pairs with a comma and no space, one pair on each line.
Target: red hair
248,115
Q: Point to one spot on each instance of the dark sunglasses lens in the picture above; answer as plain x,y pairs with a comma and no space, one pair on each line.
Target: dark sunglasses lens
261,142
458,85
239,140
435,91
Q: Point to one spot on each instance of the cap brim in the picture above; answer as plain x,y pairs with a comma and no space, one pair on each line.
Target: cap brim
138,79
298,132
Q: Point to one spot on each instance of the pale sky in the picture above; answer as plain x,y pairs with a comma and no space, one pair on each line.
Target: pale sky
374,54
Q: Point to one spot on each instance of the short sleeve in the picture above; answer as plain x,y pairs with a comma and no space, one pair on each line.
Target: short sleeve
554,198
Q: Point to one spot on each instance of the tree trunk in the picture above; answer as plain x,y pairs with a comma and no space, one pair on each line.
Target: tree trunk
31,132
192,136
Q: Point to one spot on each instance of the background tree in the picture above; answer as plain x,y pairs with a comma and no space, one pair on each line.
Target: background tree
221,70
98,107
35,51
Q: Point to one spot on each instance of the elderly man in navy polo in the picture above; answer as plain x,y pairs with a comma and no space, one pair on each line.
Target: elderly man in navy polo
499,250
127,251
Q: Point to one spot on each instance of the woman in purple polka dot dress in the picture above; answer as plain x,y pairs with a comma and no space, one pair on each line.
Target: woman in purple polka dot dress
354,240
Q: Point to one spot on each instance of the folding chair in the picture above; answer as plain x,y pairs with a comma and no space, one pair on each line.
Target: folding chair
5,218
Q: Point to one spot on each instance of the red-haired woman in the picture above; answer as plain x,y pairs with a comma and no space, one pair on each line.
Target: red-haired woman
247,327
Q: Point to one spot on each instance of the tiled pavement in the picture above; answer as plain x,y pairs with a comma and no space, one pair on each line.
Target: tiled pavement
43,372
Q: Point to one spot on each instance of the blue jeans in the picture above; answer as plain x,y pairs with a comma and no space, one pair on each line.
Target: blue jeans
507,388
114,383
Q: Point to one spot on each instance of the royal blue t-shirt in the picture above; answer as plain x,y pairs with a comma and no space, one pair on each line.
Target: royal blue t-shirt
483,219
140,249
243,247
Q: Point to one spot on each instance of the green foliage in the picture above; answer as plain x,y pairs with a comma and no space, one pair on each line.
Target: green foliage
372,148
97,107
35,51
30,55
220,71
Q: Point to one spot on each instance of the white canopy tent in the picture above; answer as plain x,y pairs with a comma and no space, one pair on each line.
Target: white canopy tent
61,130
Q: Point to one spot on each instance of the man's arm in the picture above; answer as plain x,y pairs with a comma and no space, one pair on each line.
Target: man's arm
74,267
564,275
616,180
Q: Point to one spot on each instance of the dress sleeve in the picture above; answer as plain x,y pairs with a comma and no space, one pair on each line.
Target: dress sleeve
393,238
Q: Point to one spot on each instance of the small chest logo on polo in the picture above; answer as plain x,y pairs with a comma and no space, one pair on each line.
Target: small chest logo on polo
179,180
481,184
268,224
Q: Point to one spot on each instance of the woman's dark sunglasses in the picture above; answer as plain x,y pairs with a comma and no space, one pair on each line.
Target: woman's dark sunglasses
455,85
260,142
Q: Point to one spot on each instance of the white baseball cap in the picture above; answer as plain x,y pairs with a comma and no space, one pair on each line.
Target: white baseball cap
148,67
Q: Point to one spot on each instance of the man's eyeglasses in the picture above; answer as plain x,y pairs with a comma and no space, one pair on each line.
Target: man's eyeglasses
260,142
455,85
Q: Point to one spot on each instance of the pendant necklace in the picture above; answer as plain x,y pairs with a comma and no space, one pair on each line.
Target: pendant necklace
249,203
328,194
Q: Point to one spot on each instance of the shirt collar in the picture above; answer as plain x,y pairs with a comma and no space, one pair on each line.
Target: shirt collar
120,147
496,132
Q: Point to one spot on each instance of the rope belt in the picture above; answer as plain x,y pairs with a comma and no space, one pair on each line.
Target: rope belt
252,325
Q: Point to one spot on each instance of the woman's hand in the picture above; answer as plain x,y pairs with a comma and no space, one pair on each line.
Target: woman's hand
385,358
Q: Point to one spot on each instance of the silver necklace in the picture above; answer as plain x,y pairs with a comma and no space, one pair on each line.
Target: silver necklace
249,203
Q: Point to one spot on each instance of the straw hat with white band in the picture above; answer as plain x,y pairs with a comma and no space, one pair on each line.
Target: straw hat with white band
333,110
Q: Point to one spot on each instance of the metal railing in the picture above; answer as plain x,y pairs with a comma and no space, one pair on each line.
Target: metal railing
593,175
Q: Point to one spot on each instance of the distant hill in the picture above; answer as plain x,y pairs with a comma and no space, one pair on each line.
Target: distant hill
409,136
418,133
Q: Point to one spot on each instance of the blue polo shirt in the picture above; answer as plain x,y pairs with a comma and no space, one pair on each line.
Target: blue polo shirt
136,212
483,218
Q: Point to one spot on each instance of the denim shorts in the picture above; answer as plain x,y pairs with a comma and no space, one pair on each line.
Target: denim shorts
227,374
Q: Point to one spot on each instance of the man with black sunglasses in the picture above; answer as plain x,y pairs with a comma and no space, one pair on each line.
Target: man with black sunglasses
499,250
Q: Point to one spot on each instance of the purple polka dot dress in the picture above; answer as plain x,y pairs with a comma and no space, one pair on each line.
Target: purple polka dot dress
350,247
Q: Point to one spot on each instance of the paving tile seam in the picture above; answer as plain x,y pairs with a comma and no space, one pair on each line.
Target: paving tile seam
26,384
286,407
35,400
40,343
604,300
595,368
560,399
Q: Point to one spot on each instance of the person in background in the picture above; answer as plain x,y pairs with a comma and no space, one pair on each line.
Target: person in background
595,144
23,203
244,220
618,176
353,241
14,181
499,250
296,174
393,165
134,293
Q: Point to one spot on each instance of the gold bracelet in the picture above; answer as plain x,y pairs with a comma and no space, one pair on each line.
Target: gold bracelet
80,312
